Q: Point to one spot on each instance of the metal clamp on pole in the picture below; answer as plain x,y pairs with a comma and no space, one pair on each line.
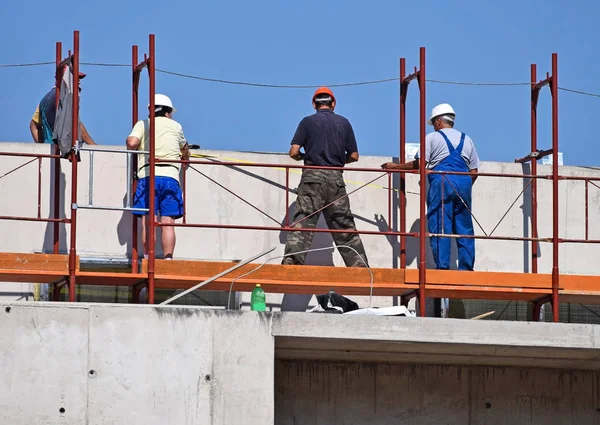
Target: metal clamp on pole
538,154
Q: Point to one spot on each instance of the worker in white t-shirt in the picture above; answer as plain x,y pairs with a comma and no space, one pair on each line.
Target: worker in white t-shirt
169,143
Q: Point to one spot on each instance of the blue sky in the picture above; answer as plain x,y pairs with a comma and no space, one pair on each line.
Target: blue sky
315,42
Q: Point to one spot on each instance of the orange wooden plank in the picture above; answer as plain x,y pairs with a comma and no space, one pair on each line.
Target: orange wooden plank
33,268
183,274
278,286
27,276
280,279
43,262
485,292
109,278
482,278
579,283
206,269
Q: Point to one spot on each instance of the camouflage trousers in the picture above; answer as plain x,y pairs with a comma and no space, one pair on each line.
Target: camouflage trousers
317,189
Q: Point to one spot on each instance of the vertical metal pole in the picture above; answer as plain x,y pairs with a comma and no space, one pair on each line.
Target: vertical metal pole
57,160
402,192
287,197
389,175
443,177
75,131
39,193
134,119
534,205
423,176
129,182
150,236
587,208
184,189
555,217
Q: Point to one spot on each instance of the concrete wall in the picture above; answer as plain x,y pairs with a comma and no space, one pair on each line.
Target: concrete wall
362,393
81,364
108,233
136,364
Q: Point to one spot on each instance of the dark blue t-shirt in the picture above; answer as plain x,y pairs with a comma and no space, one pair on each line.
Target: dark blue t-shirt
326,137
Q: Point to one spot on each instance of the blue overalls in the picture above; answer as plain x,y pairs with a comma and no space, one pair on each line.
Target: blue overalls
457,218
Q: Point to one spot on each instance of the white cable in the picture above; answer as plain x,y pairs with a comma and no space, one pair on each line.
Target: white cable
302,252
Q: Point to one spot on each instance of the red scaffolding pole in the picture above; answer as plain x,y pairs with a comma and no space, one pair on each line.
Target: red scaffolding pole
134,118
150,236
551,80
419,75
149,63
58,77
74,155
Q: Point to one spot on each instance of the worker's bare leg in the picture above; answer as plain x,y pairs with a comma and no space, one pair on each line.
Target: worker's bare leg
168,237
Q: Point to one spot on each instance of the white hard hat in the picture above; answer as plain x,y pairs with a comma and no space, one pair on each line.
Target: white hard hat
163,100
441,109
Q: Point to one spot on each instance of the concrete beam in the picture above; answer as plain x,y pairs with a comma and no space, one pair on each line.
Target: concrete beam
436,341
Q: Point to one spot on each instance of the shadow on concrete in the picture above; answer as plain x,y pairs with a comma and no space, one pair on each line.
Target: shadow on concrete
527,229
48,245
280,186
125,232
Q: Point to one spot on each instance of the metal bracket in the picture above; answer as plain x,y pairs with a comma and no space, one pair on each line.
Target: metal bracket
539,154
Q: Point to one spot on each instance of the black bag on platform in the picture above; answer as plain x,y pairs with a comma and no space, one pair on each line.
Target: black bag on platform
336,304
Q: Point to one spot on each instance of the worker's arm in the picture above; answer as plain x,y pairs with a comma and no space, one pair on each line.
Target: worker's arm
474,172
35,131
351,157
295,153
133,143
185,152
412,165
350,145
135,137
85,136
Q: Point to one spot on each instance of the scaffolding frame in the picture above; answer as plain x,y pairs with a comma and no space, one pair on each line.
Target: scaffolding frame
144,274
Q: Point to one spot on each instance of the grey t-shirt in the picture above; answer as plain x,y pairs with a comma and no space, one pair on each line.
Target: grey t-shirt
436,148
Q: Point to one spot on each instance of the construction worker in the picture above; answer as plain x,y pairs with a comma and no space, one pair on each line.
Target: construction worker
447,149
169,143
328,140
42,122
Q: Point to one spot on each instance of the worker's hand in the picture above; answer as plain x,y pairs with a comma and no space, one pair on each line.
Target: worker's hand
388,165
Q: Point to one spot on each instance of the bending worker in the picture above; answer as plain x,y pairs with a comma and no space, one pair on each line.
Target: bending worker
447,149
328,140
169,143
41,125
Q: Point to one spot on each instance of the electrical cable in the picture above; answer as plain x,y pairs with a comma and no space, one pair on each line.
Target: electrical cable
299,86
302,252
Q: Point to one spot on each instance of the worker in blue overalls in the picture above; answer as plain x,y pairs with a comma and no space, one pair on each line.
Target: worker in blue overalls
447,149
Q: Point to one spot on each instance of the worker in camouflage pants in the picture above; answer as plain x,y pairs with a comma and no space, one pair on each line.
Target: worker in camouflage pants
328,140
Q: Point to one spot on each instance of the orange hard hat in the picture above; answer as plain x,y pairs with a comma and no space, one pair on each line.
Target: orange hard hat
323,90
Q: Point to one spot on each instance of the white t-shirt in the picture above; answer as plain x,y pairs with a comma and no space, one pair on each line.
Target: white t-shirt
168,142
436,148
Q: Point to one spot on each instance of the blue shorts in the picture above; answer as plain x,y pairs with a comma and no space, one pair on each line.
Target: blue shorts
168,199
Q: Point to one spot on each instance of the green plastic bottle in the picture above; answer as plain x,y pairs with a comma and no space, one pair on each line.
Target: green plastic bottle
258,300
